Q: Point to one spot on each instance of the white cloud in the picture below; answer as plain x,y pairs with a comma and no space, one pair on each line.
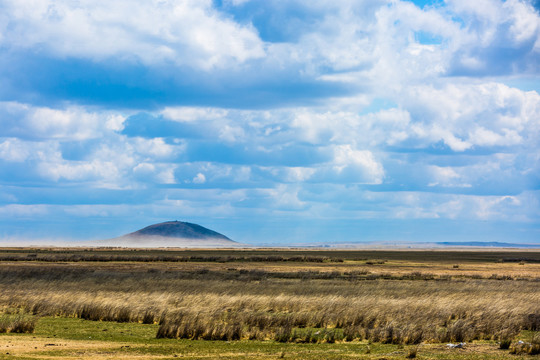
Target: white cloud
299,174
388,46
72,123
14,150
305,160
447,177
199,179
488,15
115,123
231,133
185,32
155,173
467,115
103,171
19,210
525,21
346,165
285,198
237,2
192,114
166,175
154,148
144,169
357,165
418,205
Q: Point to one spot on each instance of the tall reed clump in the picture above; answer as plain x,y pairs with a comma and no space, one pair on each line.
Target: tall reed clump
199,327
288,303
19,324
526,347
412,352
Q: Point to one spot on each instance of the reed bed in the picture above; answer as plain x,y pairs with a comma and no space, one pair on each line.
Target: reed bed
130,257
17,324
285,306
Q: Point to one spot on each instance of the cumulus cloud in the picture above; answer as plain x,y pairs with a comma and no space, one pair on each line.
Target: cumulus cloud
183,32
357,165
500,37
468,115
24,211
199,179
74,145
14,150
352,110
191,114
72,123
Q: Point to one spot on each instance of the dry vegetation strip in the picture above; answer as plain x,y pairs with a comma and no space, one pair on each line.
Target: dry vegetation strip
290,302
262,255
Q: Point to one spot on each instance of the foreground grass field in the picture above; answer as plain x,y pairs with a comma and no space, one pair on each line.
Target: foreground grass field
107,304
69,338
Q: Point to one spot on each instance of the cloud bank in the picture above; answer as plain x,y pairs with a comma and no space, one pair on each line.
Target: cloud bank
271,121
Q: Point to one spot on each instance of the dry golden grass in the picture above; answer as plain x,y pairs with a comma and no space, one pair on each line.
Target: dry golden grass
235,296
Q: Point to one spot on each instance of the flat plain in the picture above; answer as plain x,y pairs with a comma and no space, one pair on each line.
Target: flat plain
105,303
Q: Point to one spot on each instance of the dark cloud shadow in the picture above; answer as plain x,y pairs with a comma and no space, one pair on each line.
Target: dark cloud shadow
40,80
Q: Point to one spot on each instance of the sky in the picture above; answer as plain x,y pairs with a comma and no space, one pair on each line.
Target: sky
272,122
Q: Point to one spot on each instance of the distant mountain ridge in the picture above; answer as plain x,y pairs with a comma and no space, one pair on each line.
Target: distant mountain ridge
487,244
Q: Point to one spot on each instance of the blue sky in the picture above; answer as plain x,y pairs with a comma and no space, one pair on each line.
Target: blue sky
271,121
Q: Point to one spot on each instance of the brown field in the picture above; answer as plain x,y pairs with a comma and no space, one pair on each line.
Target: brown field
404,298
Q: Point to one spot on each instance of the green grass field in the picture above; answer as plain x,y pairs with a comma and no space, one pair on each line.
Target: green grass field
70,338
110,304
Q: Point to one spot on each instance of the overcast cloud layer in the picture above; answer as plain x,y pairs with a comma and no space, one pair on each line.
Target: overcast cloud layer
271,121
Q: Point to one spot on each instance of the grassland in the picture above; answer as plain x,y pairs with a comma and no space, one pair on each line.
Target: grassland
113,303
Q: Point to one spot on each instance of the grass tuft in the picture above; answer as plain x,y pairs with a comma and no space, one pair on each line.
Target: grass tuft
19,324
412,352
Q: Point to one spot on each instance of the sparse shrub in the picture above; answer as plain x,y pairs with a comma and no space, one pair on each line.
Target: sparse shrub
529,348
23,325
310,337
4,326
412,352
532,322
331,335
234,332
389,335
375,262
94,312
255,334
38,308
350,333
458,331
505,343
19,324
412,335
148,317
166,331
283,335
505,338
123,315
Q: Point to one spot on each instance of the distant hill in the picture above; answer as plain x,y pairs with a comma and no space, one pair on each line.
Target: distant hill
487,244
173,234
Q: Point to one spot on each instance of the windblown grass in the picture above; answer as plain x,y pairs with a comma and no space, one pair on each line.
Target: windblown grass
531,347
289,305
275,304
17,324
